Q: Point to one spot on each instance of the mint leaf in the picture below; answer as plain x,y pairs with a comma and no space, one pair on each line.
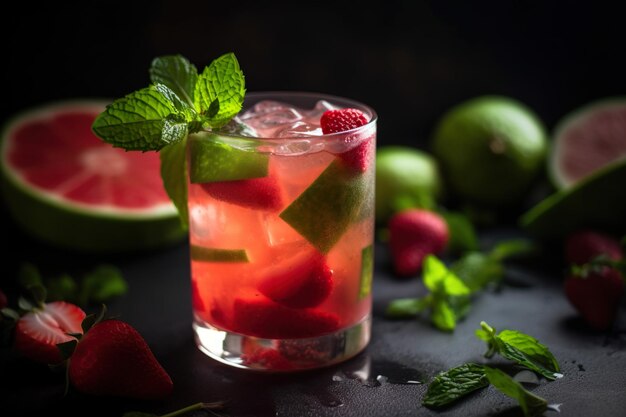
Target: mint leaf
453,384
221,81
62,288
29,276
520,348
528,352
138,121
477,270
174,175
102,284
407,307
203,254
462,234
531,404
177,73
513,247
443,317
437,277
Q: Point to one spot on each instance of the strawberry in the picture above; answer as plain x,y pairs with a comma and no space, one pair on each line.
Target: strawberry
3,300
336,121
256,193
38,332
255,355
413,234
596,296
585,244
112,358
261,317
304,280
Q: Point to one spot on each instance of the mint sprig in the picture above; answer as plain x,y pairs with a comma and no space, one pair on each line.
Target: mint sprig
448,298
520,348
177,73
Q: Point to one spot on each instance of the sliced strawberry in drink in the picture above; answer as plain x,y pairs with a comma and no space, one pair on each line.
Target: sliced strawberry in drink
261,317
336,121
255,193
255,355
38,332
303,280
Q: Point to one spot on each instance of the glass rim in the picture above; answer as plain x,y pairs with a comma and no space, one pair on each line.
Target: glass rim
373,117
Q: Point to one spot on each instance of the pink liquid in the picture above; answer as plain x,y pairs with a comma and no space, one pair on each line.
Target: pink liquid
287,287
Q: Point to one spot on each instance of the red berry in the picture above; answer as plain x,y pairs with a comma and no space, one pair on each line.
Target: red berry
113,359
261,317
584,245
336,121
256,356
303,280
596,297
256,193
38,332
413,234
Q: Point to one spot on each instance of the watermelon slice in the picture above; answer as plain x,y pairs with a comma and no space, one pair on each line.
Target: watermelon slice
65,186
586,140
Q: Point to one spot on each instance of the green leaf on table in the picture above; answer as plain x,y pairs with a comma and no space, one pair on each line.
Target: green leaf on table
62,288
443,316
520,348
145,120
407,307
510,248
462,233
438,278
477,270
221,81
453,384
102,284
531,404
177,73
174,175
29,275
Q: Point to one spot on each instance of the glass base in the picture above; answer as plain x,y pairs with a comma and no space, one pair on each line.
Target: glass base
282,355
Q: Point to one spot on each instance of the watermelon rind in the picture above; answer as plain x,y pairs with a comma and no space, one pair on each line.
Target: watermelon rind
577,116
596,201
62,223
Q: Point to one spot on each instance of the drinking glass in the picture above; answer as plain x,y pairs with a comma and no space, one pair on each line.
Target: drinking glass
281,234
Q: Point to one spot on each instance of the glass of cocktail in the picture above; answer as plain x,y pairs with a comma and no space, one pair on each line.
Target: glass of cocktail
281,229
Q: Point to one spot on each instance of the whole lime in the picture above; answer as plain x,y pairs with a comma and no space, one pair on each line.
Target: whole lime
405,177
491,149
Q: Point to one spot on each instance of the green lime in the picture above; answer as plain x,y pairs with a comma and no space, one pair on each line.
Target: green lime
405,177
491,149
65,186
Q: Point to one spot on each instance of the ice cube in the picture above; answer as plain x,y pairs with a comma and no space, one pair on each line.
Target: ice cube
320,107
273,119
299,129
201,219
263,107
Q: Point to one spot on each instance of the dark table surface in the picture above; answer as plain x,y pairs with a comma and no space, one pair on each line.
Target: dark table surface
372,384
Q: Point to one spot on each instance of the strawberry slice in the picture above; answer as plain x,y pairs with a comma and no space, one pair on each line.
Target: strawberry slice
336,121
255,193
261,317
303,280
38,332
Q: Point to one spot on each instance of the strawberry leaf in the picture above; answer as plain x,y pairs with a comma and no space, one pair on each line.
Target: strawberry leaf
67,348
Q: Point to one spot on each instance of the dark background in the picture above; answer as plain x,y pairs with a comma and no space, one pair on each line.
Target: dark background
410,60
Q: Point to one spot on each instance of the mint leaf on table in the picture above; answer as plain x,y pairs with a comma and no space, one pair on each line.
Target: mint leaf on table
462,233
102,284
453,384
520,348
62,287
448,299
531,404
177,73
222,82
479,269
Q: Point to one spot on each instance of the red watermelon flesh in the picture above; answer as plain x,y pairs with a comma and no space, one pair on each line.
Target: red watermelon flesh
59,154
